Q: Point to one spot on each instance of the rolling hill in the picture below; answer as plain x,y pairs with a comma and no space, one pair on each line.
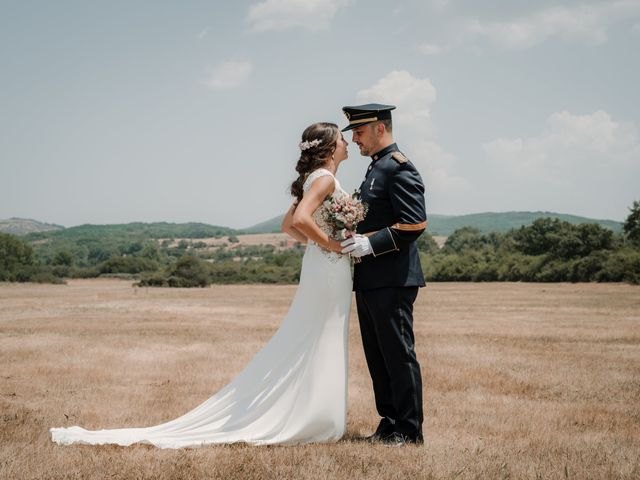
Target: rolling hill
136,229
445,225
23,226
439,225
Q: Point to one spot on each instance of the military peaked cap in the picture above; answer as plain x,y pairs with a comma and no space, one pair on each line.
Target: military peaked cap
363,114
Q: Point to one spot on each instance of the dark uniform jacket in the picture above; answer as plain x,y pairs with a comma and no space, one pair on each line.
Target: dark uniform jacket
394,191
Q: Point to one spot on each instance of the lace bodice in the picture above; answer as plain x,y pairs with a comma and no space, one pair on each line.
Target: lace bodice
319,215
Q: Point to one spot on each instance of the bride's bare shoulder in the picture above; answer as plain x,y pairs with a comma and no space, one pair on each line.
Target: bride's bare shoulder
320,176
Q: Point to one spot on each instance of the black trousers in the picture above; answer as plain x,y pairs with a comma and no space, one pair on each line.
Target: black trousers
386,326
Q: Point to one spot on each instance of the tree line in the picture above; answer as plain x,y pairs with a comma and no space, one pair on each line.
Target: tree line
548,250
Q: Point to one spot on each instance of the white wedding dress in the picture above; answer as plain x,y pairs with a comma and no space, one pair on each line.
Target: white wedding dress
293,391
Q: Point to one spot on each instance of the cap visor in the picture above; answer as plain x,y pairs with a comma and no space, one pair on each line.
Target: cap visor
356,125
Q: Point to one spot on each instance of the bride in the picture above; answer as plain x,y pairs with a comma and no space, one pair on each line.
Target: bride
295,389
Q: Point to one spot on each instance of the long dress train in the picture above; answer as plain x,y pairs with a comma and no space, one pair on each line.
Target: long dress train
293,391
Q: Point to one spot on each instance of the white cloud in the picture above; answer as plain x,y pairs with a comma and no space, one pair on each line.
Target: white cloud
401,87
412,121
440,4
229,75
437,166
430,49
587,24
283,14
575,141
583,163
203,33
413,97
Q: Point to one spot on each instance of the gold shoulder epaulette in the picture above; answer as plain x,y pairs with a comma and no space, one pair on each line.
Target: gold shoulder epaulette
398,157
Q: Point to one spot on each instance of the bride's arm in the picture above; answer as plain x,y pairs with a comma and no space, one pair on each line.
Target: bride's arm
287,226
302,219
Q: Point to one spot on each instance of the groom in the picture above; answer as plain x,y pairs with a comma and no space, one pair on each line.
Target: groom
387,279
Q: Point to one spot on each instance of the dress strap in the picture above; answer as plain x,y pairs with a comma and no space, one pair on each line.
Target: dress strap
317,173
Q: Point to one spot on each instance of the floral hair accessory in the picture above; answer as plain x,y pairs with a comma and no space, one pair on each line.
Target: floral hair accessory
309,144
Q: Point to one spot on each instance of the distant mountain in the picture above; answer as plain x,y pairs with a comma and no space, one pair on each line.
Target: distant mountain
23,226
445,225
439,225
269,226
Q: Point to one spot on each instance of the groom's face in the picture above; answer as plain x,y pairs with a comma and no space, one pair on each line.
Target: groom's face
365,137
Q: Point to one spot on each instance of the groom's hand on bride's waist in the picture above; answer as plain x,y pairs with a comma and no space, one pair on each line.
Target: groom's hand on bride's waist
357,246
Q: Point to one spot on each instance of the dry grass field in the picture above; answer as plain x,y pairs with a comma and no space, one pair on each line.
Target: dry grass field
521,381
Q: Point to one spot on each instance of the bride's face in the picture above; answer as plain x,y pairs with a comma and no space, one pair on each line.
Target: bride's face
341,152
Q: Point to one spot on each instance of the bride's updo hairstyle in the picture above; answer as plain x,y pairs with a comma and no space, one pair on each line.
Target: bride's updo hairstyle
318,143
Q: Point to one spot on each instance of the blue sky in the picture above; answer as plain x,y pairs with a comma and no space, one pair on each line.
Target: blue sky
191,111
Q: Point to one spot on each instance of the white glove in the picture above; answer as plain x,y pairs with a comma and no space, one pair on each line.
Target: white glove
357,246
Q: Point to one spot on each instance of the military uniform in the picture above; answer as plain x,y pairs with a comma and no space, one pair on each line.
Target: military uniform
386,282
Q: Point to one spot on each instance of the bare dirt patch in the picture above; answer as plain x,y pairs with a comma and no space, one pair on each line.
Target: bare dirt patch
520,381
281,241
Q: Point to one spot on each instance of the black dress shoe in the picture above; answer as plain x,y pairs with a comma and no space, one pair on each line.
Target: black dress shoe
376,437
385,428
397,439
379,435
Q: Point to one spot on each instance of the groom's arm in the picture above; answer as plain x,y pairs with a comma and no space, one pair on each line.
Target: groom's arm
406,194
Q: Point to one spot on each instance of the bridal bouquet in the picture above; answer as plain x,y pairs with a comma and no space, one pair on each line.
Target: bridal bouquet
344,212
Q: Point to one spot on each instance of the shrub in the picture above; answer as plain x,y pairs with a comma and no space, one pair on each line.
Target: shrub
621,266
16,258
127,265
188,271
632,224
427,244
